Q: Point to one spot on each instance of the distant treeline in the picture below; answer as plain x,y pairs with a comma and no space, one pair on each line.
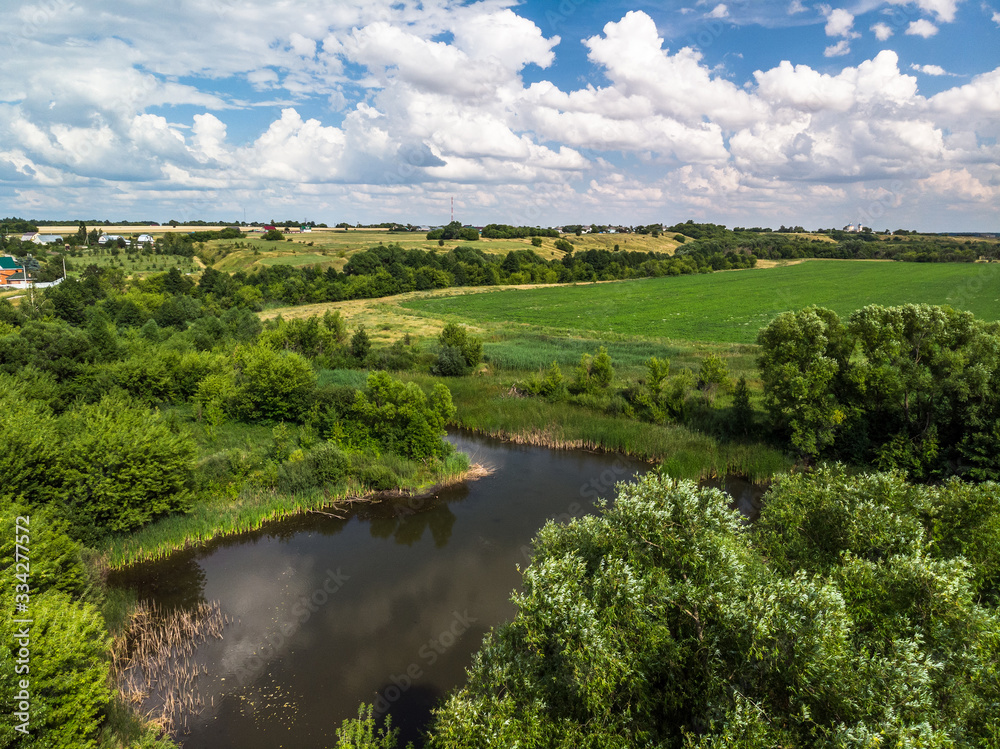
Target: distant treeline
503,231
764,245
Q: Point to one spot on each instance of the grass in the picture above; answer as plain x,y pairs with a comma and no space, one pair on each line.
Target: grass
131,265
725,307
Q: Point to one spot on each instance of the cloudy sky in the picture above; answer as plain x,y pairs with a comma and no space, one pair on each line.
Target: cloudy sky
748,112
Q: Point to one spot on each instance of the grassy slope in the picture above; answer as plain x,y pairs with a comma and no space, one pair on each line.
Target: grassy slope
333,248
729,307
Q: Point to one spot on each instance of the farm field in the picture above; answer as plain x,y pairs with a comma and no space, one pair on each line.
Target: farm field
327,248
727,307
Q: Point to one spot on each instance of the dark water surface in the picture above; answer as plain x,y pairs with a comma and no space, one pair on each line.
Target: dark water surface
385,607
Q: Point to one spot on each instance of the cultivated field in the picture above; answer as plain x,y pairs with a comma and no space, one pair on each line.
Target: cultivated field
727,307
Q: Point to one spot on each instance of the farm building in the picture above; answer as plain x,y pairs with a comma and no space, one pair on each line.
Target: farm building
144,238
105,238
47,239
29,236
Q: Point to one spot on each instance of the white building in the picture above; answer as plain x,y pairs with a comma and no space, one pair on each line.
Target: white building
105,238
47,239
144,238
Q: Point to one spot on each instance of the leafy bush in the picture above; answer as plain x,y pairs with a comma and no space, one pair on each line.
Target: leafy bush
69,673
296,477
401,418
450,362
379,478
119,467
270,385
329,464
455,337
593,372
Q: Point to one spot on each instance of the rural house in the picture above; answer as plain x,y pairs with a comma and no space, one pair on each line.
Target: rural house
10,270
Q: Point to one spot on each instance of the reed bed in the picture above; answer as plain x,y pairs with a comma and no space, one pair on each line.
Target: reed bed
152,661
251,511
486,408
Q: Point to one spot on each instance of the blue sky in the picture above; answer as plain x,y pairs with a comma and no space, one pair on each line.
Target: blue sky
755,112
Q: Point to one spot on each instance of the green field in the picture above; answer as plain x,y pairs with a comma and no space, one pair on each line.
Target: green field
131,265
728,307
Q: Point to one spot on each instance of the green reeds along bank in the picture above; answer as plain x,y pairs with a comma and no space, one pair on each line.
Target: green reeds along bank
225,513
485,405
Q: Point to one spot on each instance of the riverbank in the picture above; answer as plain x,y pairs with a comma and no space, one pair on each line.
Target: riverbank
251,509
486,407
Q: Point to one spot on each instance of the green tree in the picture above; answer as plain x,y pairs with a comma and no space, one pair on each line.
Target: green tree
803,358
102,334
742,418
30,443
69,673
271,384
665,622
713,376
657,370
400,417
361,344
470,346
334,322
120,466
56,559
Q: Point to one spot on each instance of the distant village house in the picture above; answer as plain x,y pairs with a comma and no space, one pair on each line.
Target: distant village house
10,270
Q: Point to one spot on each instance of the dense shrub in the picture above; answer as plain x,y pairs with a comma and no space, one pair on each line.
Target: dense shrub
69,673
454,342
400,417
119,466
270,384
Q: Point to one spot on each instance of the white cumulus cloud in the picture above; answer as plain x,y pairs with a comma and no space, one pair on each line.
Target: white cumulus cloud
839,22
935,70
923,28
882,31
839,49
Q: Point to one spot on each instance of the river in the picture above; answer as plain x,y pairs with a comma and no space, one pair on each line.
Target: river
385,606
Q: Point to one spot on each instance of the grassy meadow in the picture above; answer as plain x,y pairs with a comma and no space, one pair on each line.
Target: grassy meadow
332,248
135,265
725,307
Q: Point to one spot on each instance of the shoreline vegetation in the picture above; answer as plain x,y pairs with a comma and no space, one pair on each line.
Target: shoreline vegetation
223,517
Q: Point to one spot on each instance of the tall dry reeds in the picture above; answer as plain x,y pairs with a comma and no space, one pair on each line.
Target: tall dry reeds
153,664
